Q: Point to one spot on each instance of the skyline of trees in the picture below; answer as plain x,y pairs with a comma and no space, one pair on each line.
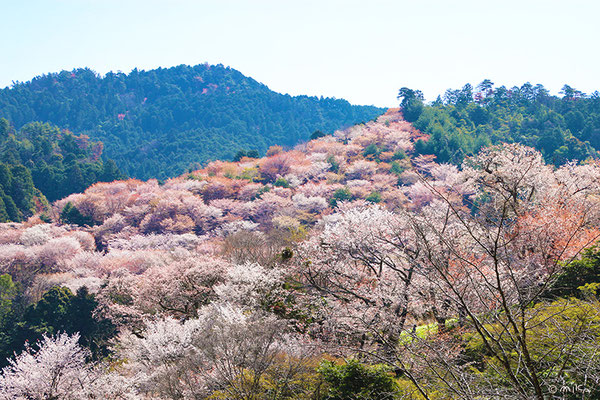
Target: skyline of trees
464,120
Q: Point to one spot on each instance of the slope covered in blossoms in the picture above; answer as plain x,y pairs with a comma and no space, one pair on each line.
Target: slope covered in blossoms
285,189
256,279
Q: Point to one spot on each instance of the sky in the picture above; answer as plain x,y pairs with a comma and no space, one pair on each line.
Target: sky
362,51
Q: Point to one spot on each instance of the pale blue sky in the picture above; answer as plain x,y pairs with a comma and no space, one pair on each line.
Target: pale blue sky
363,51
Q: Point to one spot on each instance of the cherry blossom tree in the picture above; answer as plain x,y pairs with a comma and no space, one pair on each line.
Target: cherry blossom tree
276,165
364,259
180,288
490,259
57,370
225,351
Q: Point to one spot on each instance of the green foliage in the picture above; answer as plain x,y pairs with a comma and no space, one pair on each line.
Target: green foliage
58,310
374,197
8,305
50,314
399,155
245,153
157,123
18,194
281,182
71,215
590,289
8,292
317,134
22,190
411,104
340,195
396,168
251,174
41,162
354,380
371,150
4,127
3,213
561,336
563,129
422,331
10,210
262,190
581,272
335,166
61,162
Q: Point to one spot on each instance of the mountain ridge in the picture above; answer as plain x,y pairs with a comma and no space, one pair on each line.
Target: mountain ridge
161,122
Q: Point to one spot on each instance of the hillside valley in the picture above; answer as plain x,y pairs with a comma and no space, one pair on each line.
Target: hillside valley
321,270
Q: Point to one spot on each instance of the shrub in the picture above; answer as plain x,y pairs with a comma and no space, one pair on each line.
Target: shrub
340,195
397,169
281,182
71,215
371,150
580,272
374,197
399,155
335,166
317,134
354,380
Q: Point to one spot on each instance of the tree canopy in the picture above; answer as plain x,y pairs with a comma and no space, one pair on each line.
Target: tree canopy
41,163
159,123
467,119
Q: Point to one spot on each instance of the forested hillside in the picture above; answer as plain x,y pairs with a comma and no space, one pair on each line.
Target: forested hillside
41,163
350,267
159,123
465,120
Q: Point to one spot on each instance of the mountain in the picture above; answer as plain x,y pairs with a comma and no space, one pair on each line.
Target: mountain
465,120
41,163
160,123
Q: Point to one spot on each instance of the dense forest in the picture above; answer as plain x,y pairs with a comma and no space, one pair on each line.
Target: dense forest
465,120
41,164
159,123
351,267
